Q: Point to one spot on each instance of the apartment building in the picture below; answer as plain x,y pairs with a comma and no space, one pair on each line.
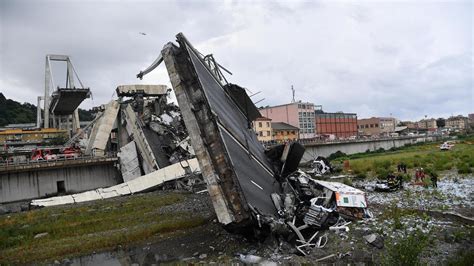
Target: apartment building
263,128
298,114
457,122
376,126
471,118
427,124
283,132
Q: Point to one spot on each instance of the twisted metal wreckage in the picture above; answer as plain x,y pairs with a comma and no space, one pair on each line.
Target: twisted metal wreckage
253,190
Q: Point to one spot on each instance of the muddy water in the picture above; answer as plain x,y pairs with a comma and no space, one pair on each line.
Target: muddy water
209,242
138,257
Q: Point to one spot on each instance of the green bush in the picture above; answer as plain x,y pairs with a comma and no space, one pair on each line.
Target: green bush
361,175
448,166
382,172
406,177
463,168
407,251
463,257
337,154
382,164
347,181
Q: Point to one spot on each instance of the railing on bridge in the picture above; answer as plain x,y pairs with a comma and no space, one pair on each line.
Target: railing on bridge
320,141
60,158
310,142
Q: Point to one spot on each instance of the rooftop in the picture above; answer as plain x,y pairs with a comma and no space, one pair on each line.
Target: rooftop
263,118
283,126
286,104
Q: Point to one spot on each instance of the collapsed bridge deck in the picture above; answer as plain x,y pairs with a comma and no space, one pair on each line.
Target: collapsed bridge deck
64,100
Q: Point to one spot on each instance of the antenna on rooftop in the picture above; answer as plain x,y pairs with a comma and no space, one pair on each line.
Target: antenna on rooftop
293,91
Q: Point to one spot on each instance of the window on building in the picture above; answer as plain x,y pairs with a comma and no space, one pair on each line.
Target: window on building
259,124
268,124
371,125
260,133
268,133
376,125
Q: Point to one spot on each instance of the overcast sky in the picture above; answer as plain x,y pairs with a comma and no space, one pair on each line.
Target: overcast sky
374,58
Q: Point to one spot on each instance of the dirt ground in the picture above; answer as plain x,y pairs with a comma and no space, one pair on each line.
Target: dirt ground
394,218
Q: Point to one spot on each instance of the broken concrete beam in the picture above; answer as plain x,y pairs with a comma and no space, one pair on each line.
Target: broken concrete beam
135,130
101,130
144,90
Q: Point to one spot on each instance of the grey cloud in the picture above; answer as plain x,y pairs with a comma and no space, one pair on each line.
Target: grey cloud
371,58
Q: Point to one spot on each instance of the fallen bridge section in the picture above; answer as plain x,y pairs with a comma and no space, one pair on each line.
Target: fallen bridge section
65,101
237,172
139,184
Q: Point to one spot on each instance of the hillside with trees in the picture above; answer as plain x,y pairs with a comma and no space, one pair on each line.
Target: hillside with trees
13,112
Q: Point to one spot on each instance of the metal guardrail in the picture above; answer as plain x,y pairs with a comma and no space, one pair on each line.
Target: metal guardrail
306,142
358,140
6,164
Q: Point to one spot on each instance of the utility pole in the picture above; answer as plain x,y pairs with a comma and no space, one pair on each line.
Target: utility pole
293,91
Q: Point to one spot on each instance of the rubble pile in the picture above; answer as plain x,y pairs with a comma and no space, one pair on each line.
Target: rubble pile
252,189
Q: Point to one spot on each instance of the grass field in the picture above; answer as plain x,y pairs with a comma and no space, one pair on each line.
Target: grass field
427,156
82,229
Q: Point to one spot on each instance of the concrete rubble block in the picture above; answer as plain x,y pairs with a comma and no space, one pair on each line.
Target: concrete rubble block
129,164
114,191
53,201
160,176
40,235
134,129
86,196
375,240
101,131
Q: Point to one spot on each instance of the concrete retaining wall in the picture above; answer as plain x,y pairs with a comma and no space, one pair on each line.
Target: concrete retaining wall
15,186
325,149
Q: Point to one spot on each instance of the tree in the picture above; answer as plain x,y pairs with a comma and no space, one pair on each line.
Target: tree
440,122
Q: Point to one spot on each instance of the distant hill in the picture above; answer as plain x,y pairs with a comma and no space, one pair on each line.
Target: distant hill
13,112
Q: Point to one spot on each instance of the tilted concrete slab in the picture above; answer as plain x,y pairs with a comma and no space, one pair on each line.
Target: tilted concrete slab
129,165
114,191
101,131
86,196
64,100
237,172
60,200
135,130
